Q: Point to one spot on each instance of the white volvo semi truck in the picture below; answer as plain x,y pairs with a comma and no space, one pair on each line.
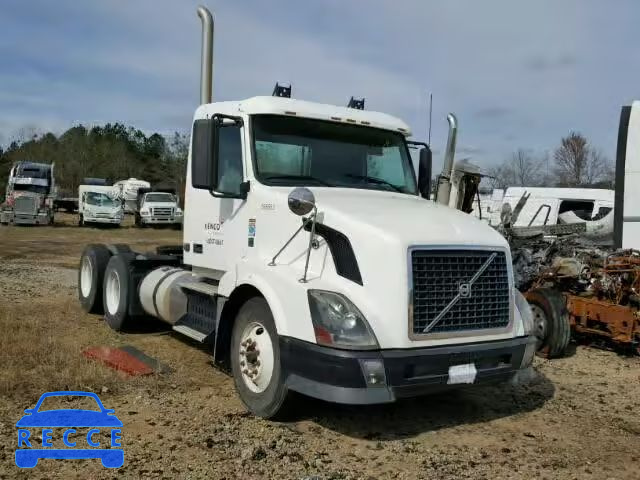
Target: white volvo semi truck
313,261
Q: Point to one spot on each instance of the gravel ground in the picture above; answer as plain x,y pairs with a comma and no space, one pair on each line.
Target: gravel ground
576,420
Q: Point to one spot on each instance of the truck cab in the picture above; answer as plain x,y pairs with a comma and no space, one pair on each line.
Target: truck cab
30,195
97,205
157,207
312,261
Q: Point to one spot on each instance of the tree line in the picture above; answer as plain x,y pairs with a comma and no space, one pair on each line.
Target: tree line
574,163
112,151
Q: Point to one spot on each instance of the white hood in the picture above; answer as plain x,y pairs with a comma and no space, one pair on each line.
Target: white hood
405,219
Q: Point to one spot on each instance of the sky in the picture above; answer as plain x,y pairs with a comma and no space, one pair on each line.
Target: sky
517,74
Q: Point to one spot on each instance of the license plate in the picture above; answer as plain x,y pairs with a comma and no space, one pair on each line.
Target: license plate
462,373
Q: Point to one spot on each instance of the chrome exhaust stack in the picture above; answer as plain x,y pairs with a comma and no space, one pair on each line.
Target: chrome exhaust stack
444,182
206,61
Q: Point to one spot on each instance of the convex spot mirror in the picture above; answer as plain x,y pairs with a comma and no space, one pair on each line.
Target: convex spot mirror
301,201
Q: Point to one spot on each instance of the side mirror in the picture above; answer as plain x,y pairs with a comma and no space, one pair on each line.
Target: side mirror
424,172
205,150
204,172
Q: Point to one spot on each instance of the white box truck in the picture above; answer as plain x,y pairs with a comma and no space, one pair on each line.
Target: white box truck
98,205
312,261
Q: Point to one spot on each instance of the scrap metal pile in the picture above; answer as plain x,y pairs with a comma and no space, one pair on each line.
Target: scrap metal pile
579,288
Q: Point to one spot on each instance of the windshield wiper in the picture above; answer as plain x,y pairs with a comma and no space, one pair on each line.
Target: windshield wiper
377,181
299,177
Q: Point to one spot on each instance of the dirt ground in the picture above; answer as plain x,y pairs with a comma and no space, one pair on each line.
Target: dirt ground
576,420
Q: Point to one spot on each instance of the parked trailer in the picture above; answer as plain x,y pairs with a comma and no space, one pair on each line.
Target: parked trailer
312,260
127,190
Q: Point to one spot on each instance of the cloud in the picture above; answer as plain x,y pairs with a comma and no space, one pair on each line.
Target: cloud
541,63
493,113
470,150
506,79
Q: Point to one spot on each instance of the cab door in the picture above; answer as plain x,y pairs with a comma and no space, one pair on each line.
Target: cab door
215,218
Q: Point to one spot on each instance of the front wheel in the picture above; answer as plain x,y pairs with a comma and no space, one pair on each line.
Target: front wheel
550,321
255,360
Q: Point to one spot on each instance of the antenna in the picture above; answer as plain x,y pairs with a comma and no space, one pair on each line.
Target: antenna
430,113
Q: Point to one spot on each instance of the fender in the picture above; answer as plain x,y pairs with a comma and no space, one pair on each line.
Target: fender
291,316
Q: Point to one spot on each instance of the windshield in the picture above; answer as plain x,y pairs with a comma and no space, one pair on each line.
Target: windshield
296,151
159,197
40,189
100,200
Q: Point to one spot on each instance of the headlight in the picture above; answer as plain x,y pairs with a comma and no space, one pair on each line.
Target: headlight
338,323
145,212
525,312
178,212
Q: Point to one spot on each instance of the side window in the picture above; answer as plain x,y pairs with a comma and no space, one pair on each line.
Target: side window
387,165
230,172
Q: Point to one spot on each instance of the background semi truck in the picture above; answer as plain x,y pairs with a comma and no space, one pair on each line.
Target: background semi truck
30,194
313,260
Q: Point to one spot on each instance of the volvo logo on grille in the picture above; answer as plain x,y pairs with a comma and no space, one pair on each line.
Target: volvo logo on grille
465,290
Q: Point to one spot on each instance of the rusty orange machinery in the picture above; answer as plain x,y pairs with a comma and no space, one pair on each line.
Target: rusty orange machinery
592,317
603,299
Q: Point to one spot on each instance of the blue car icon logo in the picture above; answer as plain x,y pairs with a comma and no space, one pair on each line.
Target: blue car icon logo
31,448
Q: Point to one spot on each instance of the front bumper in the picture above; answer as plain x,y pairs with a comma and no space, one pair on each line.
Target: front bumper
111,221
337,376
160,220
17,218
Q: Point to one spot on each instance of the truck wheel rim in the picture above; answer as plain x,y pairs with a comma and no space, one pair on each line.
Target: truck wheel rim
539,324
256,357
86,276
113,292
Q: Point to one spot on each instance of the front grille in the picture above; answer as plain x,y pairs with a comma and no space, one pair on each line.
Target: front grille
439,276
162,212
25,206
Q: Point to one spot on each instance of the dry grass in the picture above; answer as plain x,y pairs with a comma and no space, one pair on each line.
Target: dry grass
40,351
44,330
62,244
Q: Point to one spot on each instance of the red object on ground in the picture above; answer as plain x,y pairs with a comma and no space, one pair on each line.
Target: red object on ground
119,360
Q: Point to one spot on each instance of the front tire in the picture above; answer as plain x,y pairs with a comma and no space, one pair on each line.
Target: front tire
117,279
255,360
93,263
551,321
